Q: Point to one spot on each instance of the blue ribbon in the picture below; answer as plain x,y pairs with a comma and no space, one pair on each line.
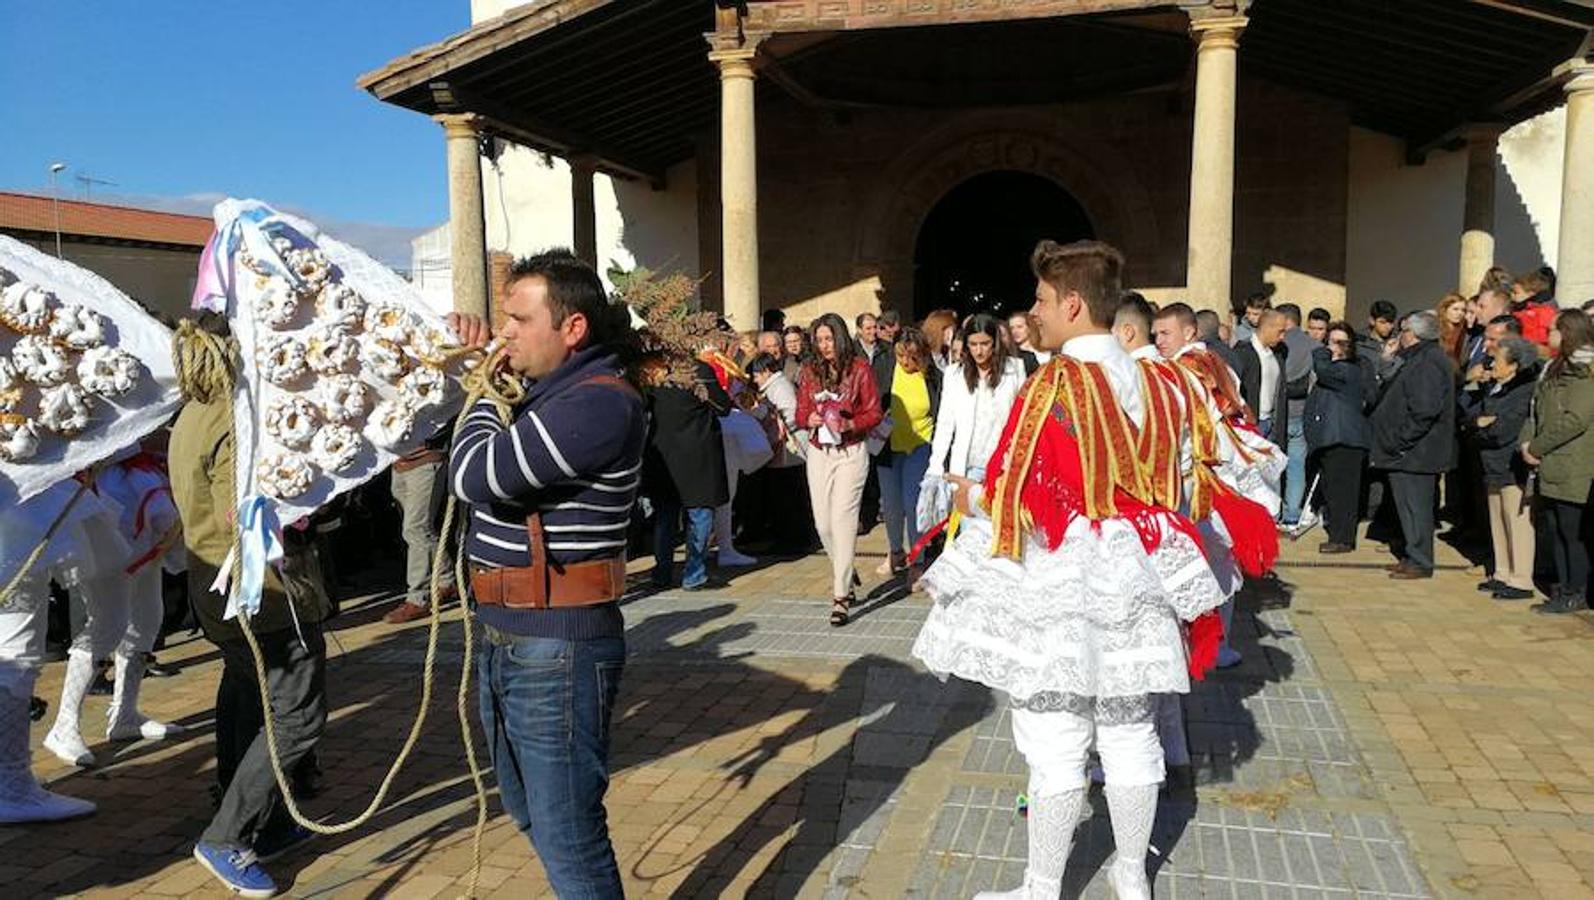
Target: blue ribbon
261,544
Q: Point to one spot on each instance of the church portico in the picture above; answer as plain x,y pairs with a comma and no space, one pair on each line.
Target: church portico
1212,141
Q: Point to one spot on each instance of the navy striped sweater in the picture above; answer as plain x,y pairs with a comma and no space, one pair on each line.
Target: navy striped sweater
574,452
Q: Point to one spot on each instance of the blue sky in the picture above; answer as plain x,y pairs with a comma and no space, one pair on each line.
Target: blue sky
182,102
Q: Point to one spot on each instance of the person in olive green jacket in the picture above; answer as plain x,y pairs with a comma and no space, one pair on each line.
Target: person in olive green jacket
250,822
1558,440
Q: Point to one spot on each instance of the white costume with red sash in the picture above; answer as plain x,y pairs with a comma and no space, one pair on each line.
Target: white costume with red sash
1073,597
124,607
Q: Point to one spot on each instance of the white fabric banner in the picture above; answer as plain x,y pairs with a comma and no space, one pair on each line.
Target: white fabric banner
345,366
114,421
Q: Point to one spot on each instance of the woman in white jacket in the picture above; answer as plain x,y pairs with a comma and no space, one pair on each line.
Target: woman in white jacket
975,400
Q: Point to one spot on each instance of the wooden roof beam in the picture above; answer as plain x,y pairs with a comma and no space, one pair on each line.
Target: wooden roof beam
1559,12
528,132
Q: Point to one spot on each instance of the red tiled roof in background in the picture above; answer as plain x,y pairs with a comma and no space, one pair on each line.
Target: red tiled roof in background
27,212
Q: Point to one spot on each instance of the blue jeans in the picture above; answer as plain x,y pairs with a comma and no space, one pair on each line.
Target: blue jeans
1295,470
666,528
545,706
900,475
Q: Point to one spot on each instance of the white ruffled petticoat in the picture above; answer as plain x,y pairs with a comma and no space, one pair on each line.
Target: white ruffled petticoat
1097,618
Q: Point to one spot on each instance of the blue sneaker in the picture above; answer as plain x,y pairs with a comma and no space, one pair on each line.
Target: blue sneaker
237,869
279,842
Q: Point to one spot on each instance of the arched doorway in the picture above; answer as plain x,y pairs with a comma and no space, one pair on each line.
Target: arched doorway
973,250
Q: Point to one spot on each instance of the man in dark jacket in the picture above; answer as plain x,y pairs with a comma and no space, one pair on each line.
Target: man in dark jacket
685,470
1414,437
1263,385
1207,323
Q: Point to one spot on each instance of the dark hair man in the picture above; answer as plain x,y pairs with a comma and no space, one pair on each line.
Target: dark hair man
1261,369
551,495
1251,316
1317,324
1381,320
888,324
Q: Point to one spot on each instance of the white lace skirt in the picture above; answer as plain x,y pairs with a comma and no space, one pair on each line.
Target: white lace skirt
1099,617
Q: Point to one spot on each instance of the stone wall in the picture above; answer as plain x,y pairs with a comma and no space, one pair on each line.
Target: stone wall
842,197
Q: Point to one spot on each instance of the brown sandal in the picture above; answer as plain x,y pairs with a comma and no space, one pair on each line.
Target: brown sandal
839,611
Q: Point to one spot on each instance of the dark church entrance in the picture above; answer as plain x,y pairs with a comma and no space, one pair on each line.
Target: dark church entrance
974,247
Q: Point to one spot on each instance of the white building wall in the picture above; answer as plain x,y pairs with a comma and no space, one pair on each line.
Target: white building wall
432,267
528,207
1403,223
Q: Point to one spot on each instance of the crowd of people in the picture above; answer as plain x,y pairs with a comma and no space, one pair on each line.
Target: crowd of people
1478,411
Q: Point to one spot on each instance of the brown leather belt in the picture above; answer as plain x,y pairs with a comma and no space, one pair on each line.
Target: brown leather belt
542,584
542,587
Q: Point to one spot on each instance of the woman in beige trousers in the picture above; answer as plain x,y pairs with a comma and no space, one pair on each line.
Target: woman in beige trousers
838,402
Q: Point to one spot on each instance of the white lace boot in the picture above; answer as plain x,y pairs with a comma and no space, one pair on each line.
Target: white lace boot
1133,809
21,798
123,721
64,739
1052,820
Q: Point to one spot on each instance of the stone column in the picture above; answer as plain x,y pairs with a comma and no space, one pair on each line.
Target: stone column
467,229
1575,262
585,218
1211,245
738,186
1477,217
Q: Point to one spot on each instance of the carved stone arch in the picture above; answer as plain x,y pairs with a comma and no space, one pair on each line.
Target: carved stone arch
1115,201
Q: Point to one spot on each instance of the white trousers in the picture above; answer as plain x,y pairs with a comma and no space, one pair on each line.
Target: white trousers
124,613
1055,744
22,633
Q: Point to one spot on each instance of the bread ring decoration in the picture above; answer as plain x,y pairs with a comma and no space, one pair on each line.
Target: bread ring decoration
335,448
310,264
292,421
339,304
391,424
276,301
40,361
26,308
284,475
383,357
423,387
329,349
19,438
389,322
77,327
65,409
281,359
108,371
344,398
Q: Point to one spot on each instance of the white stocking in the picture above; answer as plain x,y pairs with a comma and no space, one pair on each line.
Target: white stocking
21,798
124,722
64,739
1052,820
1133,809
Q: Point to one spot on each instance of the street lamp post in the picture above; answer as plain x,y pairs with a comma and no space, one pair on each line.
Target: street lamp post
55,197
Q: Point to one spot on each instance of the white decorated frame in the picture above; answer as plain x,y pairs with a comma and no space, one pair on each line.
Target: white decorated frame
377,285
116,423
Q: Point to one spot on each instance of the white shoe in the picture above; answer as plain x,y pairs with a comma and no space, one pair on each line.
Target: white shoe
22,800
69,748
1128,879
730,559
1309,520
143,729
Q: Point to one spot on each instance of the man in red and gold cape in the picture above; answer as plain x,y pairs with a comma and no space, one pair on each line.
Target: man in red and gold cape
1070,585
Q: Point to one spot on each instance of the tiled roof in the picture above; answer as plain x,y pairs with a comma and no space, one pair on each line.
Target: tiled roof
27,212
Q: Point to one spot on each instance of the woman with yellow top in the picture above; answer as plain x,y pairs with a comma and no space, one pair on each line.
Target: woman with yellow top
911,398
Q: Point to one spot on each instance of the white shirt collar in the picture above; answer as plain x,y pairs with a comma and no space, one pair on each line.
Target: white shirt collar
1149,351
1093,347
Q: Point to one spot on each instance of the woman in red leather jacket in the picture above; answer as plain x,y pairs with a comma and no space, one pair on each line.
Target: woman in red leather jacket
838,403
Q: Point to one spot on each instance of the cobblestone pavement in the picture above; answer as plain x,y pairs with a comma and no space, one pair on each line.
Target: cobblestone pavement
1381,739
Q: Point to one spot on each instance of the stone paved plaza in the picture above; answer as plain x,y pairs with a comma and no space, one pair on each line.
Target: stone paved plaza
1381,739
